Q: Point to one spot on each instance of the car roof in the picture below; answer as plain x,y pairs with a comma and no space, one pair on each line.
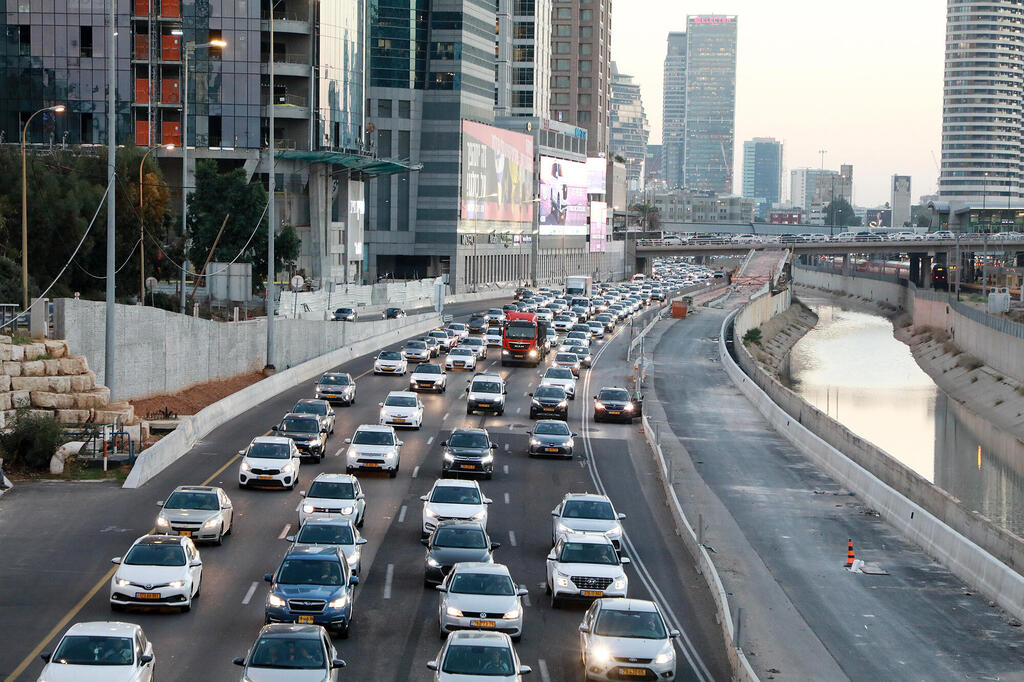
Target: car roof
587,538
290,630
299,415
479,638
335,374
470,429
374,427
112,628
335,478
594,497
401,394
456,483
311,401
313,552
273,440
196,489
159,540
420,366
327,521
481,567
457,523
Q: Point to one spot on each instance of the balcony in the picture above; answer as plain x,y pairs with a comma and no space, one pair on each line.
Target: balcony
288,106
286,21
296,65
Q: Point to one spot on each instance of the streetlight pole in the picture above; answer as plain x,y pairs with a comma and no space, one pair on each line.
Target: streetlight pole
108,350
271,208
142,223
58,109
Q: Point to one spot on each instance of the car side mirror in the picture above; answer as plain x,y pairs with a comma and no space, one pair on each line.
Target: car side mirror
441,588
621,516
46,656
269,577
195,564
584,628
625,560
444,443
353,580
424,497
361,496
380,404
337,663
525,670
551,556
574,434
494,446
432,665
116,560
273,428
425,541
554,512
348,441
361,541
400,443
289,538
530,394
323,429
487,500
226,506
522,592
467,389
242,452
146,658
302,493
159,503
673,633
239,660
495,545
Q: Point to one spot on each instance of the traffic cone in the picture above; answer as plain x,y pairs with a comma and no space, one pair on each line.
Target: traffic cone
849,554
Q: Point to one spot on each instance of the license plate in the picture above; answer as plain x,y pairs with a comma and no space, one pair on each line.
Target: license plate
482,623
147,595
592,593
467,466
371,464
332,395
484,405
305,619
550,449
265,478
614,412
633,672
399,420
549,409
426,385
185,533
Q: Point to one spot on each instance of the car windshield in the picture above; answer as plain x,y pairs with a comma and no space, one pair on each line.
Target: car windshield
400,401
558,373
416,345
487,661
551,429
477,322
335,380
463,350
473,341
390,355
588,509
520,330
450,494
572,341
588,553
644,624
439,335
486,387
618,394
94,650
299,425
310,408
566,357
296,654
183,500
464,439
428,369
269,451
373,438
310,572
325,534
563,318
155,555
460,538
458,326
550,392
491,584
334,490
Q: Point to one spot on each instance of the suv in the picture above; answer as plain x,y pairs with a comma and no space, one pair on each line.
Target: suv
549,401
586,513
305,431
616,404
198,512
333,496
453,499
313,586
269,461
373,447
344,315
336,387
486,394
321,408
585,566
468,451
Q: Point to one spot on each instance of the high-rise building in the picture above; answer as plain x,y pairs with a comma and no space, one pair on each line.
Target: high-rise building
581,68
806,184
523,53
673,111
762,172
710,102
629,128
652,167
982,107
900,200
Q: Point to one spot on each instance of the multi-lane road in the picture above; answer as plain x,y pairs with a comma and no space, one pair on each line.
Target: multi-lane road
57,539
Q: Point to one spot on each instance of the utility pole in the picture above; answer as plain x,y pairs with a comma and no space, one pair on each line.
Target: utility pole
271,212
108,350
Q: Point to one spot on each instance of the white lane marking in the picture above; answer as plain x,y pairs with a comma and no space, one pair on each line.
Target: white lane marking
506,447
401,514
519,410
506,498
416,471
430,440
525,597
526,394
388,577
338,453
511,427
543,666
512,538
284,531
446,415
505,468
248,595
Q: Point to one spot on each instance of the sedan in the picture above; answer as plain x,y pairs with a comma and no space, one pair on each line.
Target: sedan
461,357
477,344
302,653
433,344
332,532
106,650
481,597
390,362
559,376
344,315
623,639
597,326
562,323
416,351
197,512
616,404
453,542
336,387
158,570
460,329
550,402
477,325
428,377
402,408
473,656
453,499
444,342
392,314
321,408
551,437
495,315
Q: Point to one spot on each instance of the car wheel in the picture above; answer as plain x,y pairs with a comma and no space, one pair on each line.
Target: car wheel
343,632
547,586
116,607
555,602
186,608
517,638
349,470
220,537
489,475
241,485
469,411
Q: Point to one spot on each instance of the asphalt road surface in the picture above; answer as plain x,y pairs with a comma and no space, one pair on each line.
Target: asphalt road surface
58,538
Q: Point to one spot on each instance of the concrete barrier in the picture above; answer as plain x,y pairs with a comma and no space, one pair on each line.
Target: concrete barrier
742,671
972,547
191,429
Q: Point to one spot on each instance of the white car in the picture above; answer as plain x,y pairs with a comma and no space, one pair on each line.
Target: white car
453,498
428,377
461,329
942,235
390,362
104,651
375,448
486,393
402,408
560,376
745,239
333,496
586,513
196,511
445,341
478,596
585,566
477,344
623,639
493,337
158,570
335,532
474,656
461,357
271,461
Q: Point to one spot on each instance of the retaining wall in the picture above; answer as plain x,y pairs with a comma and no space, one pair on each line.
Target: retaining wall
968,544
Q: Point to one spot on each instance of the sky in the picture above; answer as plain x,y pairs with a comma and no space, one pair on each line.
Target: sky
861,80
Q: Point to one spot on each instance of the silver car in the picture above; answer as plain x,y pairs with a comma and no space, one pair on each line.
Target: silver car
478,596
336,387
586,513
623,639
298,653
203,513
337,532
471,656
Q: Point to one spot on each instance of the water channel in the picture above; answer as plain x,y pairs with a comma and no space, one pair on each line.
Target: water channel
852,367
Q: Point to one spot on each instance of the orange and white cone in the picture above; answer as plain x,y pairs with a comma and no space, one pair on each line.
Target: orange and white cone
849,554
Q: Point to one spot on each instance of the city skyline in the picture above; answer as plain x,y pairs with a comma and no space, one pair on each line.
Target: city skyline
890,121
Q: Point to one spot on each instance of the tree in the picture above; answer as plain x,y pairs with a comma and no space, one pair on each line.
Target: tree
840,214
650,215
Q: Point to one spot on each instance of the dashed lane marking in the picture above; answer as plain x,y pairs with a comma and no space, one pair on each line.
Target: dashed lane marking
543,667
416,471
248,595
506,498
401,514
284,531
512,538
430,440
388,577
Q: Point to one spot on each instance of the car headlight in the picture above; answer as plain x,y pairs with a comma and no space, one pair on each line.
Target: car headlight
429,514
533,353
274,600
433,563
479,516
504,352
563,581
346,511
600,654
161,522
246,466
121,582
514,613
339,603
487,459
620,584
307,509
534,441
453,612
212,523
666,655
628,408
287,468
598,405
176,584
449,457
564,403
535,402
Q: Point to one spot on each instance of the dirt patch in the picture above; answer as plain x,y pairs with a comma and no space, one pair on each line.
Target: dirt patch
194,398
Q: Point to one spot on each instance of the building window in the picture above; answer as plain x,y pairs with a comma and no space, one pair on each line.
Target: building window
583,99
85,41
584,83
522,76
586,31
216,52
563,48
561,65
560,98
384,142
445,51
443,80
404,108
384,108
586,15
561,81
25,40
404,144
523,31
523,99
216,127
586,48
586,66
522,53
563,30
563,13
583,117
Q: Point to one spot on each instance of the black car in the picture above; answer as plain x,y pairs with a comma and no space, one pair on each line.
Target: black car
392,313
478,325
305,431
468,451
453,542
616,404
344,315
549,402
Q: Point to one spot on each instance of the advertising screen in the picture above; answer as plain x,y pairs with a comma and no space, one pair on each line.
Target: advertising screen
497,174
597,169
563,197
598,226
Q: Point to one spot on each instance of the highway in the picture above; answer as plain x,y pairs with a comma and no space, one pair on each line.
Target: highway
58,542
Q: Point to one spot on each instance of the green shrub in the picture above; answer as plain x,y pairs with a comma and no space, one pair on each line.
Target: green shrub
31,440
753,336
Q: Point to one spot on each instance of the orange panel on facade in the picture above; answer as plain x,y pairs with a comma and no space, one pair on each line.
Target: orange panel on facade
170,93
141,90
170,48
170,8
142,47
142,133
171,133
141,8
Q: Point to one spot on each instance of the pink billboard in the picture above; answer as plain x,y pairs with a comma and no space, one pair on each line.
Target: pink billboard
497,174
598,226
563,197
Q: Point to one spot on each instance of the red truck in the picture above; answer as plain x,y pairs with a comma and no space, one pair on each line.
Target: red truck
523,339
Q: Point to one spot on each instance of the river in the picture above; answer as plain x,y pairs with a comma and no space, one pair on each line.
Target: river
852,367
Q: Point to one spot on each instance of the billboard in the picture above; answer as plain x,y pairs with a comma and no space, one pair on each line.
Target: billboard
597,170
598,226
563,197
497,174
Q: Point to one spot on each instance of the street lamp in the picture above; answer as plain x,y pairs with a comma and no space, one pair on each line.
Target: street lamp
142,223
57,109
